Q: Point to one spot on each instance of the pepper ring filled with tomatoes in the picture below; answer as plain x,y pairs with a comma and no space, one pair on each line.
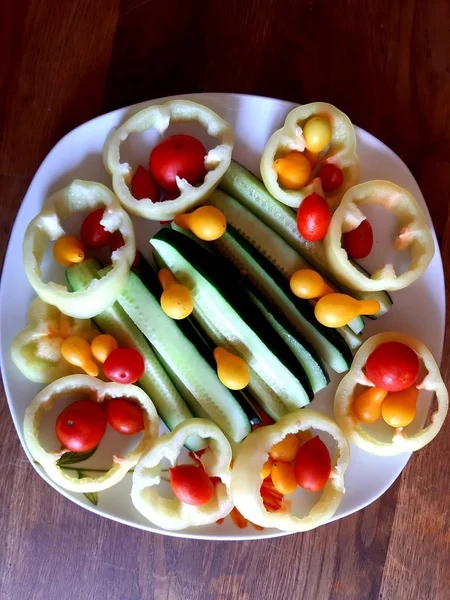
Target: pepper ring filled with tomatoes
81,426
47,227
201,490
272,452
387,366
179,165
314,152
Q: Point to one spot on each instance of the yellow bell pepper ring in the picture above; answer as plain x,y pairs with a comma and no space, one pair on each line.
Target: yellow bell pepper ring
46,227
159,118
347,389
294,136
253,453
36,350
414,236
172,513
84,384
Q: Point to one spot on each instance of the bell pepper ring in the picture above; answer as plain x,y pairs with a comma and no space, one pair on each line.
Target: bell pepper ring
345,394
36,350
46,227
341,153
414,235
160,117
252,455
172,513
68,386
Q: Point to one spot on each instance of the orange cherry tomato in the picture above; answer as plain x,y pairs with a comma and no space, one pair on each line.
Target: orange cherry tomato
286,450
283,477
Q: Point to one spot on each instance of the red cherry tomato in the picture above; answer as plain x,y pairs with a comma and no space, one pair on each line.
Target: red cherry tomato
313,218
124,365
178,155
124,416
313,465
331,177
393,367
94,235
358,242
143,185
191,484
81,426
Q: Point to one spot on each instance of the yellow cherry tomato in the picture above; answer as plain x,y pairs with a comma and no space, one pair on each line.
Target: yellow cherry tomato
317,133
232,370
287,449
399,408
283,477
176,299
266,468
208,223
102,346
337,310
294,170
68,250
367,406
77,351
306,283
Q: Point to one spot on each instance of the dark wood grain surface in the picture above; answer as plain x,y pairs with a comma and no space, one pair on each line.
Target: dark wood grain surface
387,64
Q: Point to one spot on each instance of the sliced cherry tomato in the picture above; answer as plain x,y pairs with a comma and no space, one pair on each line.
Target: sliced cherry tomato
124,365
331,178
393,367
313,465
92,233
313,218
143,185
358,242
178,155
81,426
124,416
191,484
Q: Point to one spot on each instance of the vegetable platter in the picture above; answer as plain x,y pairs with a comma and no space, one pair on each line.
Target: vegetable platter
222,317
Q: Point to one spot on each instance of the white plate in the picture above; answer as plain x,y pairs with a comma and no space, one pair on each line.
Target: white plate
419,310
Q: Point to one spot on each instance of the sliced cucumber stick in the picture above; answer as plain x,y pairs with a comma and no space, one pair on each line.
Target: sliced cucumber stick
183,358
215,288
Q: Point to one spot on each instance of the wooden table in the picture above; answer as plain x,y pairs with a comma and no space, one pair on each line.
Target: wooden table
387,65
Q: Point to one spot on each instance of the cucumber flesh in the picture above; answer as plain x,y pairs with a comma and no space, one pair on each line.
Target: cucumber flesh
328,343
213,284
251,192
317,373
269,243
155,381
183,358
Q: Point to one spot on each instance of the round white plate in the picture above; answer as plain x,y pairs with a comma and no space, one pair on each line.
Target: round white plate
418,311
